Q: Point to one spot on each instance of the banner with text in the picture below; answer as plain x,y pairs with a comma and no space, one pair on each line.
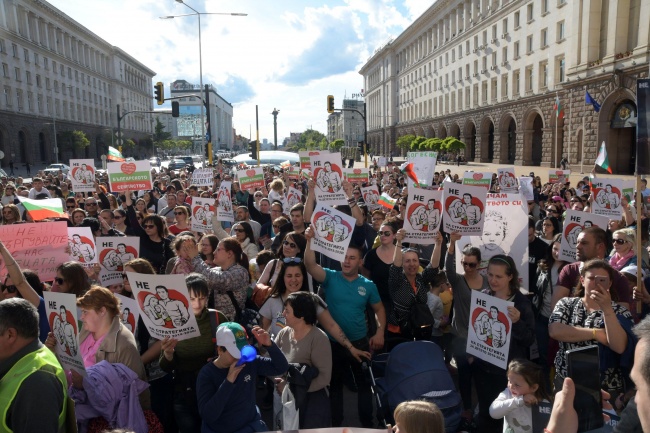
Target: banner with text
113,253
82,174
490,329
424,165
559,176
574,222
61,310
328,175
202,213
134,175
203,177
40,247
251,178
507,179
305,157
474,178
164,304
333,231
357,175
607,195
464,207
82,245
423,215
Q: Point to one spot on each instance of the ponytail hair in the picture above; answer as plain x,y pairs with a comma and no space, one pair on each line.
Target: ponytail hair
232,244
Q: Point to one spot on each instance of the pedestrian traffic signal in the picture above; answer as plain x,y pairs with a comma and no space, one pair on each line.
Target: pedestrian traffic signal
159,92
252,146
330,103
175,109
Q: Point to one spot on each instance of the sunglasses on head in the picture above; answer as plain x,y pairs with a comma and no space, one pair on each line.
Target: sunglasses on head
619,241
469,265
9,289
385,233
59,281
291,244
292,260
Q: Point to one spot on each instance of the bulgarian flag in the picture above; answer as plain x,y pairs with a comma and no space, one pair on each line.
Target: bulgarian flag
592,178
602,161
285,165
407,169
114,154
42,209
386,201
559,111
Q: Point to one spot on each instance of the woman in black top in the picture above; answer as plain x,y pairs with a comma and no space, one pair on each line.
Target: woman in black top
377,262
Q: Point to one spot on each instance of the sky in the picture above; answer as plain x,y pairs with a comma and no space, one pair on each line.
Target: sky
286,54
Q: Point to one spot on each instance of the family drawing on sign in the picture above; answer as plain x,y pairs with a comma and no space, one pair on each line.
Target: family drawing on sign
114,259
204,214
165,311
425,217
224,201
370,197
573,231
64,332
332,228
464,211
607,198
127,319
489,329
82,251
84,175
328,180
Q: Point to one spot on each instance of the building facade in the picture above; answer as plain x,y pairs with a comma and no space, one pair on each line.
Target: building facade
347,125
57,77
189,122
490,72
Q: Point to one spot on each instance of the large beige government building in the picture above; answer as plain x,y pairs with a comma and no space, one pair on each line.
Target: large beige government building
490,71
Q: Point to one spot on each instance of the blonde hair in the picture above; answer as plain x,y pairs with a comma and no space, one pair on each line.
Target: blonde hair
419,416
277,185
628,235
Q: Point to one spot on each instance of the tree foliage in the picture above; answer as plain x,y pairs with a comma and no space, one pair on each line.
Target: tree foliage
309,140
419,143
452,144
160,134
404,142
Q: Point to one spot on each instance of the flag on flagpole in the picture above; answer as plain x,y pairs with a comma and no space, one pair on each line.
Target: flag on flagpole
114,154
407,169
592,179
591,101
602,161
386,201
41,209
559,111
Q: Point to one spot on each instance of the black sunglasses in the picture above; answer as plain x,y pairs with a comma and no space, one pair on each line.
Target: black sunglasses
59,281
619,241
239,230
469,265
385,233
9,289
148,226
179,213
291,244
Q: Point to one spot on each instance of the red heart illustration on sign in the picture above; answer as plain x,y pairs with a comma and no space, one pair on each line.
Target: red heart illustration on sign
250,173
128,168
314,153
559,173
357,171
477,176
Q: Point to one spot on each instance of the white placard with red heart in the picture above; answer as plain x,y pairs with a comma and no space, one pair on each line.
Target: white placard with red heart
507,179
357,175
464,208
203,209
134,175
328,174
574,222
475,178
82,175
252,177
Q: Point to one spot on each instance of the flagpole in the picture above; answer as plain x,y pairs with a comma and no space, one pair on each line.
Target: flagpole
584,131
639,241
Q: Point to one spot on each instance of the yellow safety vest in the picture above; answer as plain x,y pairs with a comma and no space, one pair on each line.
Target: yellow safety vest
42,359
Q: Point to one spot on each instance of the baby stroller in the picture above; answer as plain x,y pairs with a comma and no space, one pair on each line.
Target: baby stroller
416,371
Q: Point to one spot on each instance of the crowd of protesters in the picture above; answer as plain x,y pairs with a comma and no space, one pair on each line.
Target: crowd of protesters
312,309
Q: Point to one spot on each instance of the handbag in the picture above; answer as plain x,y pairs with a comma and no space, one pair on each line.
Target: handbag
247,318
285,414
419,322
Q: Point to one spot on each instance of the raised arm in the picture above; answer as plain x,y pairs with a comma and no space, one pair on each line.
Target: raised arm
314,269
16,275
349,195
311,200
397,255
218,230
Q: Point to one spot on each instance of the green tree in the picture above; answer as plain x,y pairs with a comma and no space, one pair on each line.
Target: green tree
310,139
404,142
337,145
160,134
418,143
452,144
433,144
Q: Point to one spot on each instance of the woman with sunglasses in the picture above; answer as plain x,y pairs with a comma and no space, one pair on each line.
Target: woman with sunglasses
462,285
71,277
243,232
10,214
9,195
503,280
121,223
182,224
553,209
624,249
550,228
293,245
377,261
155,240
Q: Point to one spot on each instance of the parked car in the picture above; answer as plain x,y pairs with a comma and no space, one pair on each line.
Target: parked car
176,164
53,169
154,161
188,159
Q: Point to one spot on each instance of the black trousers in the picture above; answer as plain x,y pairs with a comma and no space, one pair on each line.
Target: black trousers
488,387
341,361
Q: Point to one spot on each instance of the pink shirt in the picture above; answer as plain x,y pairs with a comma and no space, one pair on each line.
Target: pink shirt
89,349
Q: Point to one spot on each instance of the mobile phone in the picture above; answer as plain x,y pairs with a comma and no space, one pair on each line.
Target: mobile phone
584,369
602,281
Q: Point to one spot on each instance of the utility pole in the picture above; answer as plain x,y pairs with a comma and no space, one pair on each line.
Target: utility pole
275,113
209,133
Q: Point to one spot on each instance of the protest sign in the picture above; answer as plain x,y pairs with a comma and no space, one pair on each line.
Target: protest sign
607,197
477,179
202,213
251,178
424,165
464,207
328,175
382,161
574,222
40,247
129,312
423,215
61,310
294,196
293,173
559,176
223,204
526,187
505,231
82,245
113,253
333,231
628,190
82,174
305,155
134,175
164,304
203,177
490,329
356,175
507,179
370,196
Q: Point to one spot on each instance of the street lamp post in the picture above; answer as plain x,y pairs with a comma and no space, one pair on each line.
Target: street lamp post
275,113
56,147
198,14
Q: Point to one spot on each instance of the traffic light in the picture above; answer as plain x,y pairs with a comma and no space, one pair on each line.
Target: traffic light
330,103
252,146
362,148
175,109
159,92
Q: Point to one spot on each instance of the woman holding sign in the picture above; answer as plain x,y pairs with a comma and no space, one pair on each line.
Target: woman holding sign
503,279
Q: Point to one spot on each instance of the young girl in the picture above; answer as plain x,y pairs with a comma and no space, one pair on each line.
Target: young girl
418,417
524,389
